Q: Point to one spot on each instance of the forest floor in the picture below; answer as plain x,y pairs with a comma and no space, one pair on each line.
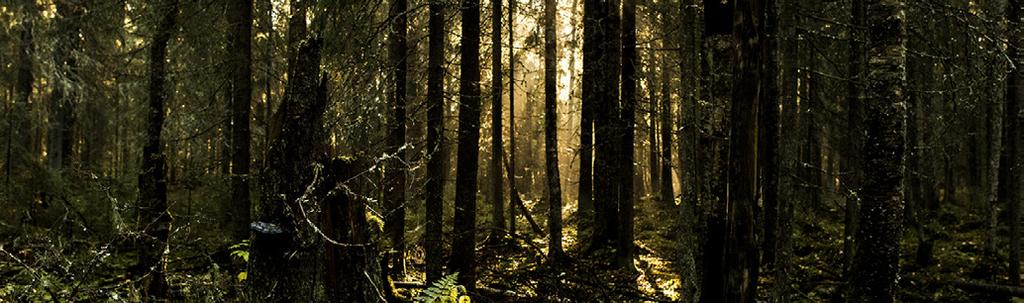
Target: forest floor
63,260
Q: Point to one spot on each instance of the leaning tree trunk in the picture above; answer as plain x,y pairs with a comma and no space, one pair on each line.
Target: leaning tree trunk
153,216
741,247
240,42
396,170
554,188
434,186
876,264
463,259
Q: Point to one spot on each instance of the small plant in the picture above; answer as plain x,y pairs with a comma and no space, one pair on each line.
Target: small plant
445,290
241,250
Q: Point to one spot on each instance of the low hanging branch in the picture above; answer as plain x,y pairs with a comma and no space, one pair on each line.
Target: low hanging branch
516,200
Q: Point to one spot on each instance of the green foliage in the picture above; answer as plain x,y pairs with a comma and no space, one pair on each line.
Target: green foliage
445,290
241,250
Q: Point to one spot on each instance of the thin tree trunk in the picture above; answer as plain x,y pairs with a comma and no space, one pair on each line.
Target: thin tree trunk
62,107
1014,97
435,141
854,144
153,216
396,172
497,196
463,259
876,264
627,118
513,190
666,187
588,100
554,188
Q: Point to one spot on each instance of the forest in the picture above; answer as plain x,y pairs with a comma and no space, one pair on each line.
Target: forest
511,150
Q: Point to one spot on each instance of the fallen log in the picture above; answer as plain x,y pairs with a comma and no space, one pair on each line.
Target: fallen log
974,286
487,291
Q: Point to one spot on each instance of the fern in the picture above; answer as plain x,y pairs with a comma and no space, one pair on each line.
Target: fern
445,290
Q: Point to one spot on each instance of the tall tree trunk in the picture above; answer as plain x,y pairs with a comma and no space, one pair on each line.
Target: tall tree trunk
589,99
435,141
627,120
240,43
789,47
285,251
854,145
1014,97
741,250
554,184
396,171
608,135
513,191
876,263
652,133
153,216
463,259
23,86
65,97
497,196
666,188
769,137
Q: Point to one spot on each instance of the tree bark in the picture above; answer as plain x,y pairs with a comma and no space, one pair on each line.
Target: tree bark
64,97
590,94
154,219
854,144
667,194
741,250
285,250
876,263
513,190
554,188
627,121
497,196
396,171
463,259
435,142
240,43
607,188
1015,95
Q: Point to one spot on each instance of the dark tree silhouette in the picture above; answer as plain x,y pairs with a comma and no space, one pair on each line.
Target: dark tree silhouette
434,186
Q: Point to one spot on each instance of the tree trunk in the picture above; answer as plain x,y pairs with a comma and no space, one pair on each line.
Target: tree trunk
23,87
876,263
513,191
497,196
1014,97
608,136
741,248
627,120
396,171
769,120
463,259
285,250
65,97
435,142
589,99
652,132
666,188
240,42
854,145
154,219
554,188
